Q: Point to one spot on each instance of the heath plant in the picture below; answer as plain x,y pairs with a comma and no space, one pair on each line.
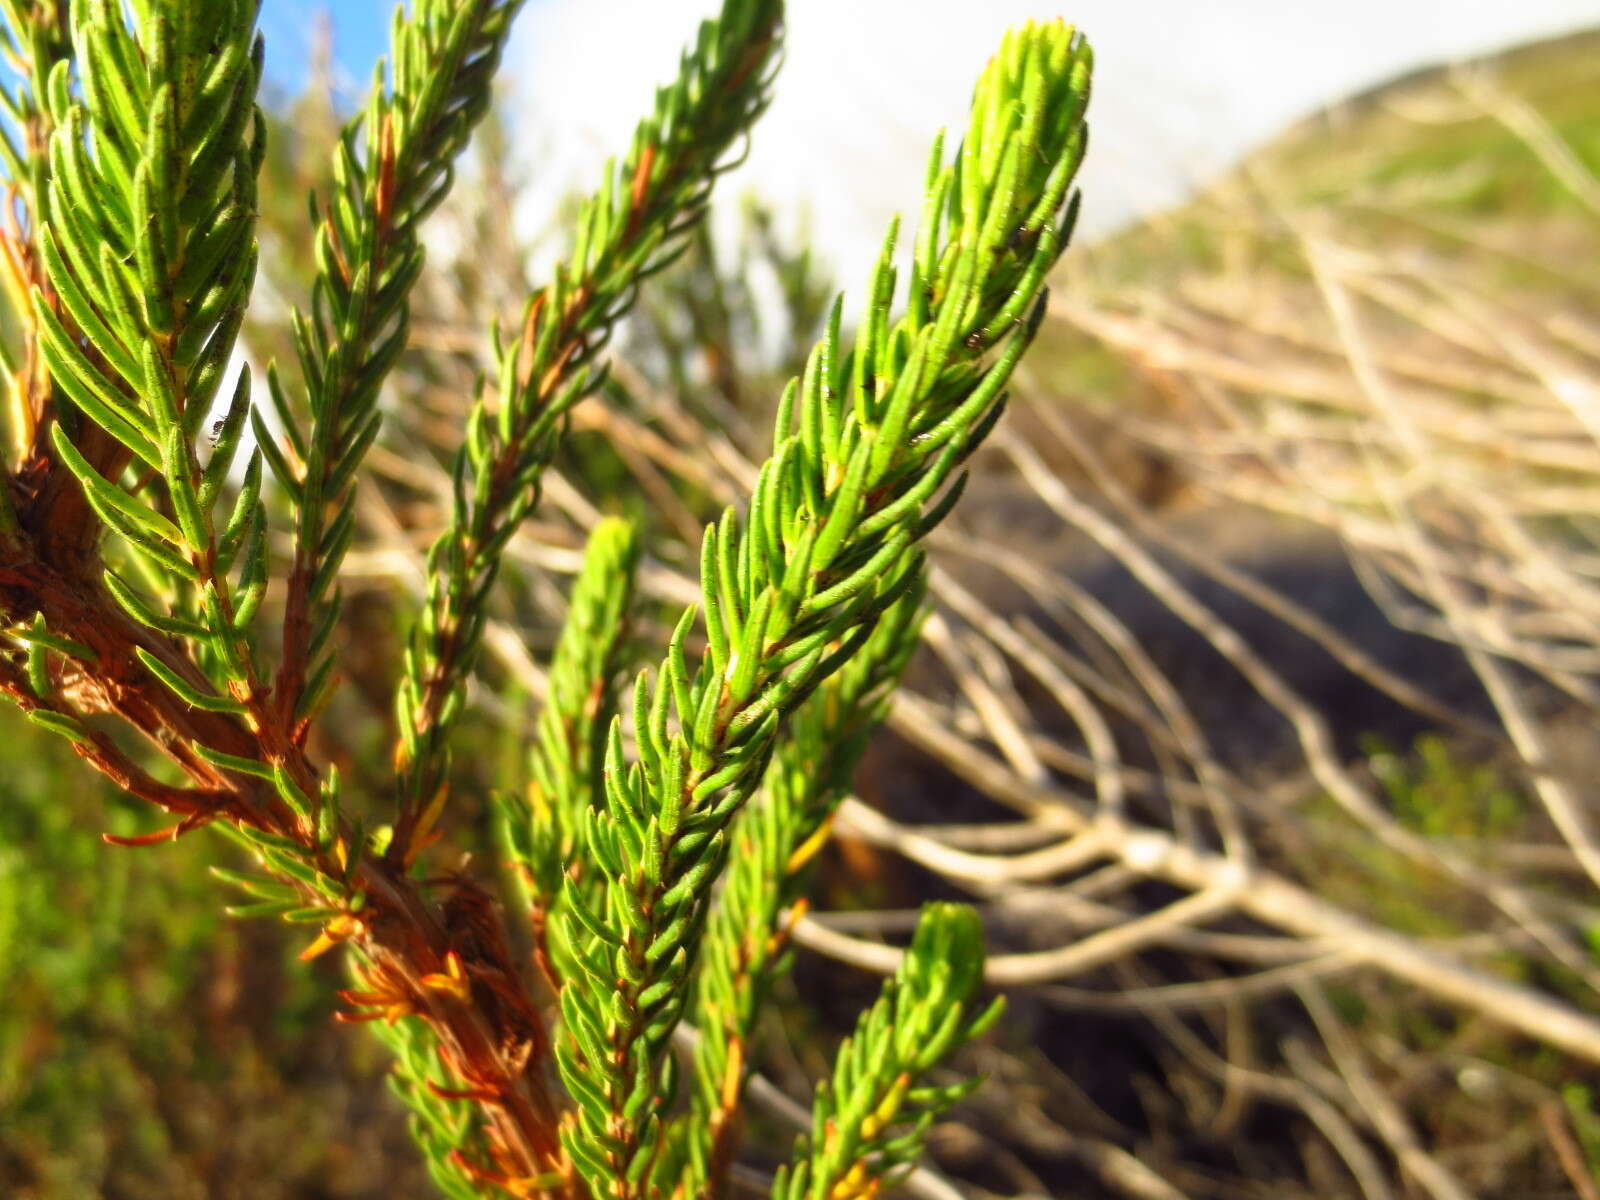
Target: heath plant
173,529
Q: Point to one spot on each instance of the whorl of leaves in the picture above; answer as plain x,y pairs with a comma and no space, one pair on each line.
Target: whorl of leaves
393,168
865,444
636,225
775,840
868,1122
543,829
149,246
445,1128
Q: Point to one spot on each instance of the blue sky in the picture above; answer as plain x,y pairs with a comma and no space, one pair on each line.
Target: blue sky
360,35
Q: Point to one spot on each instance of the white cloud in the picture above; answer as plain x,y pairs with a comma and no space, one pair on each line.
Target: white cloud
1182,88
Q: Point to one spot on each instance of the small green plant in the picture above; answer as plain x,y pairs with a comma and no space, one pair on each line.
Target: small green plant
147,496
1441,794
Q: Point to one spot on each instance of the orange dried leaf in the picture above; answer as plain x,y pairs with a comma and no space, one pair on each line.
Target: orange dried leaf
452,980
335,931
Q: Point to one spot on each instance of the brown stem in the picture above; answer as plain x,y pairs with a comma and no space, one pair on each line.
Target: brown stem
400,931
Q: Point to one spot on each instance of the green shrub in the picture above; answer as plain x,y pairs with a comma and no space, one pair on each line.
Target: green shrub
147,498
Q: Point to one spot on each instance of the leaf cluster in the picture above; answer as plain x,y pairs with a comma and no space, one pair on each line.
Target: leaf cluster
136,557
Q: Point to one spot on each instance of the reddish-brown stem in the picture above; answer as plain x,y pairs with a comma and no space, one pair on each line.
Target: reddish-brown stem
399,931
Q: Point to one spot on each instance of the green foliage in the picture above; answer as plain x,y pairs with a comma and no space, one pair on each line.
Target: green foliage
443,1126
1439,793
545,826
863,443
1436,788
145,650
147,245
391,169
774,842
632,228
869,1119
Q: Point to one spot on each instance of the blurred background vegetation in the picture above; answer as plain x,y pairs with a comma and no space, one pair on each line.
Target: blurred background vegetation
150,1046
